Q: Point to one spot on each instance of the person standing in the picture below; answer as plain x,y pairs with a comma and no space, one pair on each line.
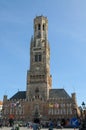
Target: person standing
51,125
34,126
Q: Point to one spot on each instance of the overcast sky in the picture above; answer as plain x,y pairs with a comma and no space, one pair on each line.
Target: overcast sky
66,35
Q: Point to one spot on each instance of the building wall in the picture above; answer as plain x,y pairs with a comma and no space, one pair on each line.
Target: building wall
52,108
1,105
39,83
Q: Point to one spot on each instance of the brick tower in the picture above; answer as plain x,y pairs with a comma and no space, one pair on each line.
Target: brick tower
40,101
39,80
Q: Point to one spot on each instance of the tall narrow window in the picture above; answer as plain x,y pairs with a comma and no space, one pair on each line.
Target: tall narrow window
39,27
43,27
39,34
39,57
36,58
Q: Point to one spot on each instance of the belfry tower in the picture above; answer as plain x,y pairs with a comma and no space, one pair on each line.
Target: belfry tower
40,101
39,80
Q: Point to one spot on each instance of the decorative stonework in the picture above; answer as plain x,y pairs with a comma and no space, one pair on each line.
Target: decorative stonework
39,74
39,96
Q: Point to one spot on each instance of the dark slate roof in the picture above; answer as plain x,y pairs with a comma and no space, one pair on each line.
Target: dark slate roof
19,95
58,93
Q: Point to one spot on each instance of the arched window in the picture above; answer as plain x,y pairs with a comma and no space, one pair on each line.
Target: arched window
43,27
39,27
36,90
38,57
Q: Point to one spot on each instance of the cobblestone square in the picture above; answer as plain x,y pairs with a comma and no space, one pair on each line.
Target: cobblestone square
25,128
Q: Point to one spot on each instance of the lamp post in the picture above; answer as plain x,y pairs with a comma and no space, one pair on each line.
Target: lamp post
83,115
83,110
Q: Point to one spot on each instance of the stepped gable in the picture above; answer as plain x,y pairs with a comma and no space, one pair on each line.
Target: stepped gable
19,95
58,93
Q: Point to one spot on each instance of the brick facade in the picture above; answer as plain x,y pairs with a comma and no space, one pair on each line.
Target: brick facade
39,95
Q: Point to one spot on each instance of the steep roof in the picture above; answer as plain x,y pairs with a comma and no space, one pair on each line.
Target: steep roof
53,93
19,95
58,93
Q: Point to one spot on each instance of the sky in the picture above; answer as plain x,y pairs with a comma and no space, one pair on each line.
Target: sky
66,35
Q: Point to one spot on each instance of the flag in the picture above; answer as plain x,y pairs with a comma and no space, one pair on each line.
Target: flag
50,105
56,105
11,116
12,105
17,103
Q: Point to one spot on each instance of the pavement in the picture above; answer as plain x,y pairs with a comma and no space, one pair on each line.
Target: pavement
25,128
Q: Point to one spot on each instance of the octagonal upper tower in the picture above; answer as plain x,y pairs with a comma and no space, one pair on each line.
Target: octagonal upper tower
40,27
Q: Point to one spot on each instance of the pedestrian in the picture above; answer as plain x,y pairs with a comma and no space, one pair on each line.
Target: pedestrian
34,126
17,127
51,125
59,125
